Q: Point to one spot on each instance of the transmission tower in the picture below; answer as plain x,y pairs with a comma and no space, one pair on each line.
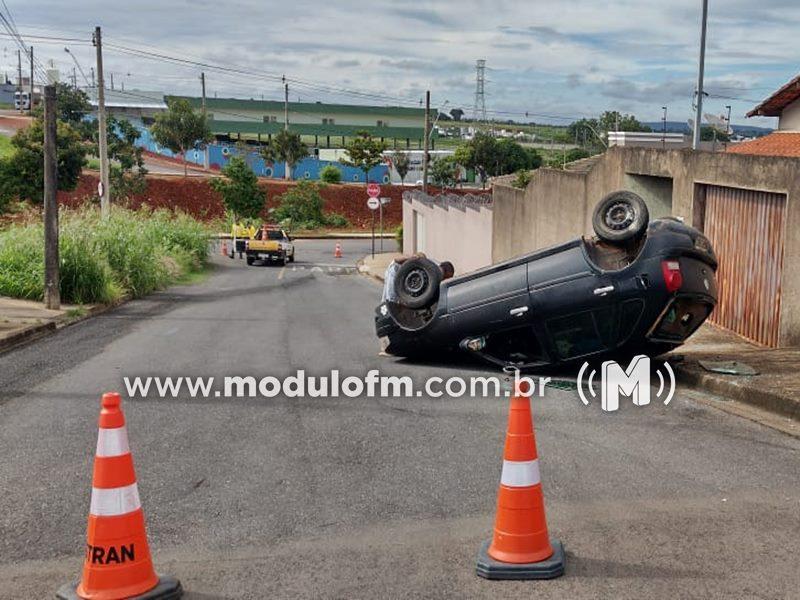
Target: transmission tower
479,111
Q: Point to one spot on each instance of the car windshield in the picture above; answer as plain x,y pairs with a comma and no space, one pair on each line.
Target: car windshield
274,234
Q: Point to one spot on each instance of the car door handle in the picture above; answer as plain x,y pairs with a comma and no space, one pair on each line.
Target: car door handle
519,311
602,291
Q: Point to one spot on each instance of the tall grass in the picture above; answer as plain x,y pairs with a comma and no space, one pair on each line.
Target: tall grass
133,252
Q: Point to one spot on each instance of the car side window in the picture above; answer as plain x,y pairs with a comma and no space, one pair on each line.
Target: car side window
576,335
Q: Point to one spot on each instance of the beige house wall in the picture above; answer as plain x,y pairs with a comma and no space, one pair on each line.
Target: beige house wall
557,205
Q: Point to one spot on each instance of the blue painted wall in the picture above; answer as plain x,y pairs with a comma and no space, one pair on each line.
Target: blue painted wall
220,154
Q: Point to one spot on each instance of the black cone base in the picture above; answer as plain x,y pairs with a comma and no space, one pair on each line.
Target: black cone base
168,588
549,568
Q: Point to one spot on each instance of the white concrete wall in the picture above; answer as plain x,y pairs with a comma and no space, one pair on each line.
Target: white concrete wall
460,234
790,117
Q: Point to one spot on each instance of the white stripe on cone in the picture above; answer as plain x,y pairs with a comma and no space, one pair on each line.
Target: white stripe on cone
520,474
112,442
114,501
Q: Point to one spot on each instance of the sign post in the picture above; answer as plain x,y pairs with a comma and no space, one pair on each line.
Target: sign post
373,191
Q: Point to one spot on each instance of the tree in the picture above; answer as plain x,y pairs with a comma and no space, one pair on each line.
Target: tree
480,153
491,157
402,164
287,147
239,189
594,132
364,152
22,172
709,134
181,128
444,171
72,105
128,170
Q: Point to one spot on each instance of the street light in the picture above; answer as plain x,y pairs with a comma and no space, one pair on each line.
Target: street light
86,79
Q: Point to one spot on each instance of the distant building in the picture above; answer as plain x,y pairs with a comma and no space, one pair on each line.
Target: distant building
134,105
784,104
643,139
328,124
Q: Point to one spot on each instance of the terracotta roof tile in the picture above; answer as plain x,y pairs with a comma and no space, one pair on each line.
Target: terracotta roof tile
778,143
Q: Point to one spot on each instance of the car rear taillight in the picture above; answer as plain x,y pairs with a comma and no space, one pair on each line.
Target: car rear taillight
672,274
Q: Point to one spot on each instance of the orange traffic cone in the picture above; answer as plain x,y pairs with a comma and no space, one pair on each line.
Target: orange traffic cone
117,563
520,547
337,252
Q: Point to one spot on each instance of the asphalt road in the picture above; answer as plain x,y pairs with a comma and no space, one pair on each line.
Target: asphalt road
366,498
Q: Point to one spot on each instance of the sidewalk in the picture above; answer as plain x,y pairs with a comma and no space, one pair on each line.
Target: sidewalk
775,388
376,267
26,320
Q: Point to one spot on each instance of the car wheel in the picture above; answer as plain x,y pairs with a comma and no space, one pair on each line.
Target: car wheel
417,282
250,260
291,258
620,217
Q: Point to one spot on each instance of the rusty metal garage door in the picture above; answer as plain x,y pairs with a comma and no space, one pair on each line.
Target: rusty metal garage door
746,228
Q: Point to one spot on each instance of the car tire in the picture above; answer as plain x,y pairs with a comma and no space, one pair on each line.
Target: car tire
620,217
250,260
417,282
291,258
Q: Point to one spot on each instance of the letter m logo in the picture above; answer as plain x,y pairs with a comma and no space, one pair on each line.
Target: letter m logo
634,383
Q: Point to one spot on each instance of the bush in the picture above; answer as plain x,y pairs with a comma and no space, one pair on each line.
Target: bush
330,174
301,206
336,220
398,235
522,179
132,252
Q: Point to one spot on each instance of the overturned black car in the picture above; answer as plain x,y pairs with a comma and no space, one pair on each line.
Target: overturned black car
639,287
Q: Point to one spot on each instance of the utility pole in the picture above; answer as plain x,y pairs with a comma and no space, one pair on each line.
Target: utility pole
74,78
52,294
285,106
427,140
698,112
664,129
203,90
112,80
30,100
205,115
103,189
19,78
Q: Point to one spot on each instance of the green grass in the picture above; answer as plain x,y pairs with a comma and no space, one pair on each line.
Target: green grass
5,146
133,253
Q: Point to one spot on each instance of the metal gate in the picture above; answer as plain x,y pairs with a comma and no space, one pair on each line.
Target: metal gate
746,228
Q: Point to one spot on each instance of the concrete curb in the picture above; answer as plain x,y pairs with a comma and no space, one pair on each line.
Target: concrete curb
364,270
26,334
29,334
737,388
325,236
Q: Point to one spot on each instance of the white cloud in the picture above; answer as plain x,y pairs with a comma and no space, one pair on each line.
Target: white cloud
571,57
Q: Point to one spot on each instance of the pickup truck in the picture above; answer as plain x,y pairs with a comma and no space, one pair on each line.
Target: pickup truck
270,243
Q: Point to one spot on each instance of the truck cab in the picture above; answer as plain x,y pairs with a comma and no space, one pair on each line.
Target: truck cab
270,243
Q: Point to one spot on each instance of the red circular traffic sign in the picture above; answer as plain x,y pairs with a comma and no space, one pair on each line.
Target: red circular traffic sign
373,190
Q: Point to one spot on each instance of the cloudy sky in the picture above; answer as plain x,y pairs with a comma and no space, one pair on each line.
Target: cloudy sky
557,58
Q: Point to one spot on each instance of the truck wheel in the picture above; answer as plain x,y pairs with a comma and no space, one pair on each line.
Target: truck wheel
250,260
620,217
417,282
